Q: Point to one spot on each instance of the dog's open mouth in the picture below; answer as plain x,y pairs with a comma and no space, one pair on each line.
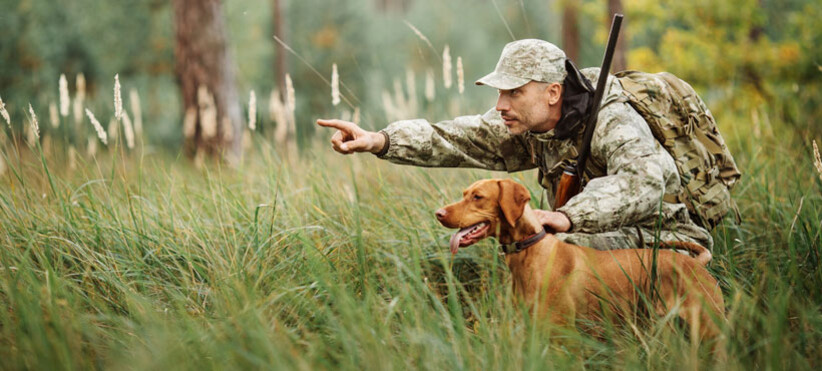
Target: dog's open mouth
468,236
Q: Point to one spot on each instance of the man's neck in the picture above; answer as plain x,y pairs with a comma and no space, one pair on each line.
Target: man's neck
554,115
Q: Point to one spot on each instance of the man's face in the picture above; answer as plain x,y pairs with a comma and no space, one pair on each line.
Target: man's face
533,106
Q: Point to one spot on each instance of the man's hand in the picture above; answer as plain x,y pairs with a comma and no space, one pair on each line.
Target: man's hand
556,221
350,138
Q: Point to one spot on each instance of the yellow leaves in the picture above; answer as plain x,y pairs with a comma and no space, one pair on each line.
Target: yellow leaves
644,59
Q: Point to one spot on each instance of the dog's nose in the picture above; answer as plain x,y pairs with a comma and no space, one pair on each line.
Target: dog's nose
441,214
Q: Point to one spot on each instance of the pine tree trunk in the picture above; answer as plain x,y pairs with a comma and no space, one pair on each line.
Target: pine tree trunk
620,62
280,66
570,31
205,72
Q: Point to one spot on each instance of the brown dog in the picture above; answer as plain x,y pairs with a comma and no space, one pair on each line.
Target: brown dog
568,282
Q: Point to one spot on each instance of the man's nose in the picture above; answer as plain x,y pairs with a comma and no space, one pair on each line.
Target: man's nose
502,104
441,214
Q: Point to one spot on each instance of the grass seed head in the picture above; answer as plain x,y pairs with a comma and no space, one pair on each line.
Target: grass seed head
335,85
54,117
460,76
128,130
97,127
446,67
35,127
5,113
79,98
65,101
252,111
291,103
118,99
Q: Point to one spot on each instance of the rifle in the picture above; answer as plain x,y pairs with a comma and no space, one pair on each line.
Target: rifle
569,182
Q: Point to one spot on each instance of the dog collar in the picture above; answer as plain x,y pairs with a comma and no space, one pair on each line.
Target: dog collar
513,248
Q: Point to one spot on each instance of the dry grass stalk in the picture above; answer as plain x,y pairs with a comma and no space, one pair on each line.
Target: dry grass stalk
430,88
460,76
446,67
118,99
252,111
136,110
335,85
91,149
5,113
356,116
79,99
2,165
54,116
420,35
208,112
65,101
817,160
128,130
97,127
35,127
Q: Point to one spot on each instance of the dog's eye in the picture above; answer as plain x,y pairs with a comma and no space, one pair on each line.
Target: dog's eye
477,197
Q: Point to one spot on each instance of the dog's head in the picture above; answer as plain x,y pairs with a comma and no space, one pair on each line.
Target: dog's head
488,208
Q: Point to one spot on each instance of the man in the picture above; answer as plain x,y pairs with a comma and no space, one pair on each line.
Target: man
537,124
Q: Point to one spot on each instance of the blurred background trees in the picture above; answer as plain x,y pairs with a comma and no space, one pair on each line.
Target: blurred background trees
741,55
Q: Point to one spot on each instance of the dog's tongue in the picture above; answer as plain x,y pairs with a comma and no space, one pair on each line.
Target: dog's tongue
455,239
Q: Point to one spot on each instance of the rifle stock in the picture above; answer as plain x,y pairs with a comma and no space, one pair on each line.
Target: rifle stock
568,187
569,183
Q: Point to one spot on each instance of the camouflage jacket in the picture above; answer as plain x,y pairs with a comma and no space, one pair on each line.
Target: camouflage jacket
628,171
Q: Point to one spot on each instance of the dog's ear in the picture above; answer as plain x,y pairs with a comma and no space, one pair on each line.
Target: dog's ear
512,200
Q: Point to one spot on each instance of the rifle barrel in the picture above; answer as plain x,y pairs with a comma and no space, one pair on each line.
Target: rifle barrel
591,119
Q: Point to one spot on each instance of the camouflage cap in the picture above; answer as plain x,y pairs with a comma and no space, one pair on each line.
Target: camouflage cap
525,60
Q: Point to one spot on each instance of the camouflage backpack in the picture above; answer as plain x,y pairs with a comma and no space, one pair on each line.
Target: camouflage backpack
682,123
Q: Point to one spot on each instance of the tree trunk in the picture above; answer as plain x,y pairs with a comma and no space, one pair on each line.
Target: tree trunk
205,72
570,31
280,66
620,62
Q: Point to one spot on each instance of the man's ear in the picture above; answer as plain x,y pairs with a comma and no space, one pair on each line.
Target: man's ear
512,200
554,93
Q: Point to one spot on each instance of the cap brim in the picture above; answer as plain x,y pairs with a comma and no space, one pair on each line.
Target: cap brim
502,81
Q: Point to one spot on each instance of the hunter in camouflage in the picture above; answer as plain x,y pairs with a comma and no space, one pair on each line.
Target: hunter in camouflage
627,177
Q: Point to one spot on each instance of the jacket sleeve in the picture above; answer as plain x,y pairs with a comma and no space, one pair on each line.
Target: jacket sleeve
480,141
639,173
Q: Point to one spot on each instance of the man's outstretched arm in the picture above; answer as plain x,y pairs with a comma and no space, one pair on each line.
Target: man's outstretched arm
468,141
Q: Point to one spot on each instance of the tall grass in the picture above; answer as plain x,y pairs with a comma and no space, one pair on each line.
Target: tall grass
330,261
